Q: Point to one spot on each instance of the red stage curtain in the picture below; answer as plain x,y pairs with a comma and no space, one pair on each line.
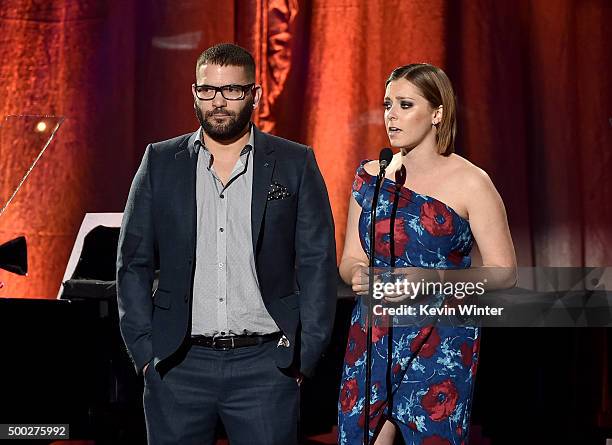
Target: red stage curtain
531,78
533,88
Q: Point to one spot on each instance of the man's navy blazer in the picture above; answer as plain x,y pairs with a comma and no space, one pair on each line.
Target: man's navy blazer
293,242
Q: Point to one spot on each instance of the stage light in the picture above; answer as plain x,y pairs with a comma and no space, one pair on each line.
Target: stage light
41,126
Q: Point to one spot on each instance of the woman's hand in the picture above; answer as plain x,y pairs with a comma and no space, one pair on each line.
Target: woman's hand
360,281
410,282
394,285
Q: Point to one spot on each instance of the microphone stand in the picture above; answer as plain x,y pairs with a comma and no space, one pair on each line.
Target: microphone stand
400,180
368,376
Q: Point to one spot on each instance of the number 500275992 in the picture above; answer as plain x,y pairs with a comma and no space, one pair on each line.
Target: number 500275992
33,431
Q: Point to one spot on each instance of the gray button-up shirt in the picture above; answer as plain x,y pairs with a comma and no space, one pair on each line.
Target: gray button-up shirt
226,295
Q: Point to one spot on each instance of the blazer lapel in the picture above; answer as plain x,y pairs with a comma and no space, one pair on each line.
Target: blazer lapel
263,167
186,162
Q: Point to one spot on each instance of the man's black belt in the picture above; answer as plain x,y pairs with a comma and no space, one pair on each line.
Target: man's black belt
233,341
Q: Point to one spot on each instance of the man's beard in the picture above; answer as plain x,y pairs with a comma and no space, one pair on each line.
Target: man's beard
231,128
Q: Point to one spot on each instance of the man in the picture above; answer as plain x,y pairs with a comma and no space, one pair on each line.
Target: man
241,225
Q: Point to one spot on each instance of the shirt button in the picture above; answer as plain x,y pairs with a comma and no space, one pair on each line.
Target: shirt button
220,265
222,196
221,229
222,332
220,299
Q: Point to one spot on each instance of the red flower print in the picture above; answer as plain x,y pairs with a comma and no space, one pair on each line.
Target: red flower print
349,395
476,346
412,426
426,342
364,175
466,354
376,410
455,257
383,240
436,218
440,400
435,440
396,369
405,196
380,328
358,183
356,345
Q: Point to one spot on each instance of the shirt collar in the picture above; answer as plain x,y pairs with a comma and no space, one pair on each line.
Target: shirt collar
196,142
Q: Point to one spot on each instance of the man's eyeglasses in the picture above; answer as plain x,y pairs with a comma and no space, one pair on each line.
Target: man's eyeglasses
229,92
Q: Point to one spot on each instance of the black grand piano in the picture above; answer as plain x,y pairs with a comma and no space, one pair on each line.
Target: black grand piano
62,359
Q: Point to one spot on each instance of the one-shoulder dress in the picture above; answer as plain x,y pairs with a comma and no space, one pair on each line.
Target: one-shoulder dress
426,388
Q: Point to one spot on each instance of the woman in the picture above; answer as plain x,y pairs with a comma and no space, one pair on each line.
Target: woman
423,393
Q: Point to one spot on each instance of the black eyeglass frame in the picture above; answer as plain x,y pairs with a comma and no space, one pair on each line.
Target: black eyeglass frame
244,89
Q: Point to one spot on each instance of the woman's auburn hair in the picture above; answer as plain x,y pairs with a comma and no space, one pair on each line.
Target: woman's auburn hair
436,88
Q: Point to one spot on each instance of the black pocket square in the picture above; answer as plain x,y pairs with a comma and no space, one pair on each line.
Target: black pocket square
277,191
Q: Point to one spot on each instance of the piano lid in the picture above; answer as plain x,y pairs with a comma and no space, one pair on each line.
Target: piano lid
23,142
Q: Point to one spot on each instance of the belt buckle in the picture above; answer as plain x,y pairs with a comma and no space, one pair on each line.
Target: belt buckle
218,347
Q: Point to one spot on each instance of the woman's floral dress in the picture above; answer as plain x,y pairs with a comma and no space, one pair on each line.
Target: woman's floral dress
426,389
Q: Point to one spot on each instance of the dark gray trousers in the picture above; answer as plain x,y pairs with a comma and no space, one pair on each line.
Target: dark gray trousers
257,403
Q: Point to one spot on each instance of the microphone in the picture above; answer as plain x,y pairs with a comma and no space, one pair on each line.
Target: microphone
400,177
384,158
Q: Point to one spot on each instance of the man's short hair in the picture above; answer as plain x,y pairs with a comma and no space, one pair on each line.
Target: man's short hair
225,54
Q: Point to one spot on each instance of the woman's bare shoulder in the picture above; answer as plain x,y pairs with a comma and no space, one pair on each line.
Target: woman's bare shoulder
470,175
371,167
